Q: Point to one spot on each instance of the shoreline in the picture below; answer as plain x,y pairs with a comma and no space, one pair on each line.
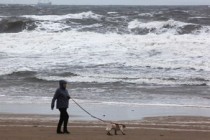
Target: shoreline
106,112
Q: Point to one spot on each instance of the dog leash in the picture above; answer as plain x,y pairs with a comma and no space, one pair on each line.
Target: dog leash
91,114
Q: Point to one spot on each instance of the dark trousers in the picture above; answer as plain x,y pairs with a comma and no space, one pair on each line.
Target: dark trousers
64,117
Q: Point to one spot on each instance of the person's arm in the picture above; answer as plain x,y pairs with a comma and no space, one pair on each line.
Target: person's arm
69,97
53,100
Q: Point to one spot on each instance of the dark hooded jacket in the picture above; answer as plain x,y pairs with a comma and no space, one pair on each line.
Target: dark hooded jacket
61,96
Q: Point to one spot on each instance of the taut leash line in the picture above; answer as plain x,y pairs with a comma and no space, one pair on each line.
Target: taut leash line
90,113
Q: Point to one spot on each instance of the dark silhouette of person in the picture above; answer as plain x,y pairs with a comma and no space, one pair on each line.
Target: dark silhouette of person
62,97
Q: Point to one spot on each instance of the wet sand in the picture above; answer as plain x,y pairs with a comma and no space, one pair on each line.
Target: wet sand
42,127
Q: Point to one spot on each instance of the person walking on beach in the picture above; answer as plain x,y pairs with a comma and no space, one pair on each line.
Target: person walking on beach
62,97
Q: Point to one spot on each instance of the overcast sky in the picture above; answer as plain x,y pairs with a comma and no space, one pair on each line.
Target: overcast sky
114,2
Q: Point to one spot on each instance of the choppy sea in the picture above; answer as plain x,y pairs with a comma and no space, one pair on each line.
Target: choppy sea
118,55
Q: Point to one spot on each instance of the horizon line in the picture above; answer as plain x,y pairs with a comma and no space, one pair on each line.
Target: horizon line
108,4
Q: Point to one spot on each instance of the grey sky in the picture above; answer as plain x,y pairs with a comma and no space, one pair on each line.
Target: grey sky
115,2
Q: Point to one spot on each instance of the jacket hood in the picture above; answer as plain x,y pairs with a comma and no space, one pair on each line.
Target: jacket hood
61,83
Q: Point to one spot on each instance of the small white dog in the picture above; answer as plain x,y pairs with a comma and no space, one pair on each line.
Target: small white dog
116,127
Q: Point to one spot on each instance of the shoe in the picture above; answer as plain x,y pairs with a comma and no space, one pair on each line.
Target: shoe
59,132
66,132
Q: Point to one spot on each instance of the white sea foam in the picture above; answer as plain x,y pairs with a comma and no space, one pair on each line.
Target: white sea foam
158,25
39,51
25,99
168,27
110,78
83,15
49,26
55,23
112,12
47,100
198,17
184,11
84,78
2,17
157,105
147,14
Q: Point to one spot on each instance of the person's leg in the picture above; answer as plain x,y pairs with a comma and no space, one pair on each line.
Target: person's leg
66,118
61,120
115,131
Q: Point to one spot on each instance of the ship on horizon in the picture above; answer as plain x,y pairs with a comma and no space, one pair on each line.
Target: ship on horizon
44,3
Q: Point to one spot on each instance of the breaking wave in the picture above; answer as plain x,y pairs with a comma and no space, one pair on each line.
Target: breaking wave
83,15
16,24
170,26
32,76
111,22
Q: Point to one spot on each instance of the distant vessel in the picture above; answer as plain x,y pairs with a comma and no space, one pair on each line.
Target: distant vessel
44,3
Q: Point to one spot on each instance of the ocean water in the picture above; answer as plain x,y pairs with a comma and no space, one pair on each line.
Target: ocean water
110,55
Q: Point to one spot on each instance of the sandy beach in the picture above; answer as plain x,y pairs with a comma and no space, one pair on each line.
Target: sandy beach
42,127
